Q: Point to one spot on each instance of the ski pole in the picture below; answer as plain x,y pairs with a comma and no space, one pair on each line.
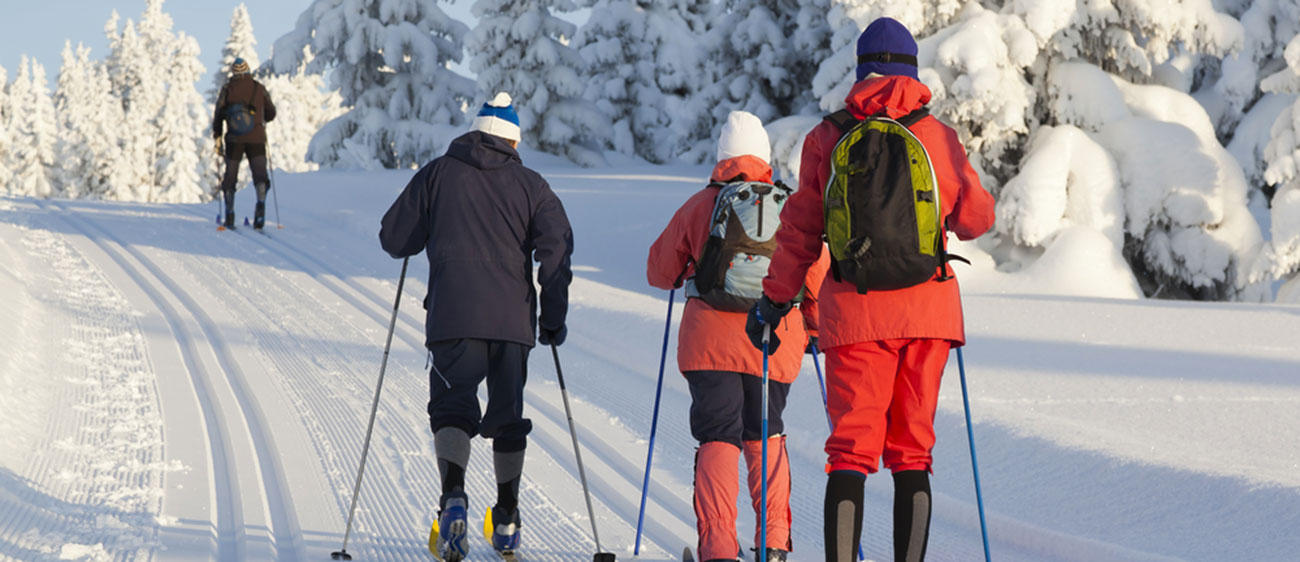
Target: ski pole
762,518
975,468
826,404
654,423
600,556
374,407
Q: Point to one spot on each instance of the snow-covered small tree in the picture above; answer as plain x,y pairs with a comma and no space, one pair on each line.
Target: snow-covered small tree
521,48
303,106
389,60
90,122
241,43
646,65
1283,173
34,132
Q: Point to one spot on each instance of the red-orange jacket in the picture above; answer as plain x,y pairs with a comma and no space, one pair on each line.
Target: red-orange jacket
929,310
714,340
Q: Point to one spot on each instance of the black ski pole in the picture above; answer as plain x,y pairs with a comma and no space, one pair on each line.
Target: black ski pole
577,452
374,407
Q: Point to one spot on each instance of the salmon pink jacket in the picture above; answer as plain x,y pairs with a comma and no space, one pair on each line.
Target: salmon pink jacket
711,339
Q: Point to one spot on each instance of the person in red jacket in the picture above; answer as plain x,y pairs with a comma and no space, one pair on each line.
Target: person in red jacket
723,371
886,349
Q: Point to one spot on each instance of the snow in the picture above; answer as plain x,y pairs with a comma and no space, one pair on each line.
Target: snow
176,393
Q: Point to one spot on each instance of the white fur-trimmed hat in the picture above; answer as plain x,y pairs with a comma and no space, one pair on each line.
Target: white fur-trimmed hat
744,134
498,117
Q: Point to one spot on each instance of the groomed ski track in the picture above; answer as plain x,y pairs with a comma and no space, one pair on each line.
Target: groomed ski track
259,354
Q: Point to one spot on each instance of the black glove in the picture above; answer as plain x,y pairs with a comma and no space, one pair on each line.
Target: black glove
547,336
812,346
765,314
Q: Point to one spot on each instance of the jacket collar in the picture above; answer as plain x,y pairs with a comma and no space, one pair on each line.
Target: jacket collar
742,168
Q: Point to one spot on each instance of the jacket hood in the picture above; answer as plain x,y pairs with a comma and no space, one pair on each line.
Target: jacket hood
897,95
746,167
483,151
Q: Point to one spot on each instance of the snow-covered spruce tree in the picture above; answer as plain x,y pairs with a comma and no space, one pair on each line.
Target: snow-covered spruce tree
137,86
302,106
520,48
90,122
184,144
34,132
758,55
6,140
389,60
241,43
145,63
1283,173
645,66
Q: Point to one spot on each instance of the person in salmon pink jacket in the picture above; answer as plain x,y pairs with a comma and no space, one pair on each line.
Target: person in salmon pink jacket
886,349
723,371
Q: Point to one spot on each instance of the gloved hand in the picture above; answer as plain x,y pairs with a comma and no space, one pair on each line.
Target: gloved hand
812,345
220,146
765,314
547,336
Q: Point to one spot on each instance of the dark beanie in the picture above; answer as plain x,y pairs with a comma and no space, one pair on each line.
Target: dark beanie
886,48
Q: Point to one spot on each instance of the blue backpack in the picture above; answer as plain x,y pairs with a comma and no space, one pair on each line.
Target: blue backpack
241,118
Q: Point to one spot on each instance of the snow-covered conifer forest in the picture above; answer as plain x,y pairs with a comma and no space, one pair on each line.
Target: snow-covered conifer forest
1164,135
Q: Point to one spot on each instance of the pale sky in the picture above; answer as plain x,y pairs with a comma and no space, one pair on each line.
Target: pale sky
39,28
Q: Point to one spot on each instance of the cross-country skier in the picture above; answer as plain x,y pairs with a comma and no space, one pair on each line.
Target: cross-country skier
723,370
482,218
885,348
243,109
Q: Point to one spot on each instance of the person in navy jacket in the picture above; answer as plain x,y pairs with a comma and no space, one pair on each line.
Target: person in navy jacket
482,218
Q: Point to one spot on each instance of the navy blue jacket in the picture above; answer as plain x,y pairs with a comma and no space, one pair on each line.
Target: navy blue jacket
482,217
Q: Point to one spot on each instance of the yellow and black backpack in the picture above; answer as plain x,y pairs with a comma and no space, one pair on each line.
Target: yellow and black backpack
884,223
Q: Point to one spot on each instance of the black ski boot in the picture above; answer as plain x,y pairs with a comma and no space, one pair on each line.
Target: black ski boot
842,515
911,515
230,220
259,215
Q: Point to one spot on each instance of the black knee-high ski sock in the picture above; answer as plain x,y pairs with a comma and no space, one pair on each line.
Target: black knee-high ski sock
843,515
452,447
911,515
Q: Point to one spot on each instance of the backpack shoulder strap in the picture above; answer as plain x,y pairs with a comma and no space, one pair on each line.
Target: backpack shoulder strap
912,118
843,120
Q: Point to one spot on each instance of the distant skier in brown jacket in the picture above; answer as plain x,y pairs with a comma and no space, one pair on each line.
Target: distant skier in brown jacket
244,106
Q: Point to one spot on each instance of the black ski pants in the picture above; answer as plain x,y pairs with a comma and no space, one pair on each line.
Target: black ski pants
235,153
728,407
459,366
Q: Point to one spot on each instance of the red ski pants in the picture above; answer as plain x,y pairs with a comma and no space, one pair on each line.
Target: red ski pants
882,397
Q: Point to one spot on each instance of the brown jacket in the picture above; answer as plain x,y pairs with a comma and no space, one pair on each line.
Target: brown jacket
243,89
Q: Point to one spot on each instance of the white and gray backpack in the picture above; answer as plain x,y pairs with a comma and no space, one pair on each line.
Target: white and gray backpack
729,273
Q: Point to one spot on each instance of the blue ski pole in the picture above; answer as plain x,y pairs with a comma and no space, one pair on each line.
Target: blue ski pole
654,424
826,404
970,432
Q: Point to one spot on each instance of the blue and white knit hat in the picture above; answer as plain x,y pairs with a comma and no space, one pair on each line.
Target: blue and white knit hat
240,66
498,118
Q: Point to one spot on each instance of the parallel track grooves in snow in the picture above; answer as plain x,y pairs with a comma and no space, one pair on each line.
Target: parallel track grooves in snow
224,480
283,519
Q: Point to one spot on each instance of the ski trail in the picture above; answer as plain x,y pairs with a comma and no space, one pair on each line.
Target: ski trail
286,542
401,460
96,470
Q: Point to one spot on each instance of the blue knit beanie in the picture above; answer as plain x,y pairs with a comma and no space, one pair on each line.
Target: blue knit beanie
886,48
498,117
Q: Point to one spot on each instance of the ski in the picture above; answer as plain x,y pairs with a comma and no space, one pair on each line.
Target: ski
687,556
488,529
